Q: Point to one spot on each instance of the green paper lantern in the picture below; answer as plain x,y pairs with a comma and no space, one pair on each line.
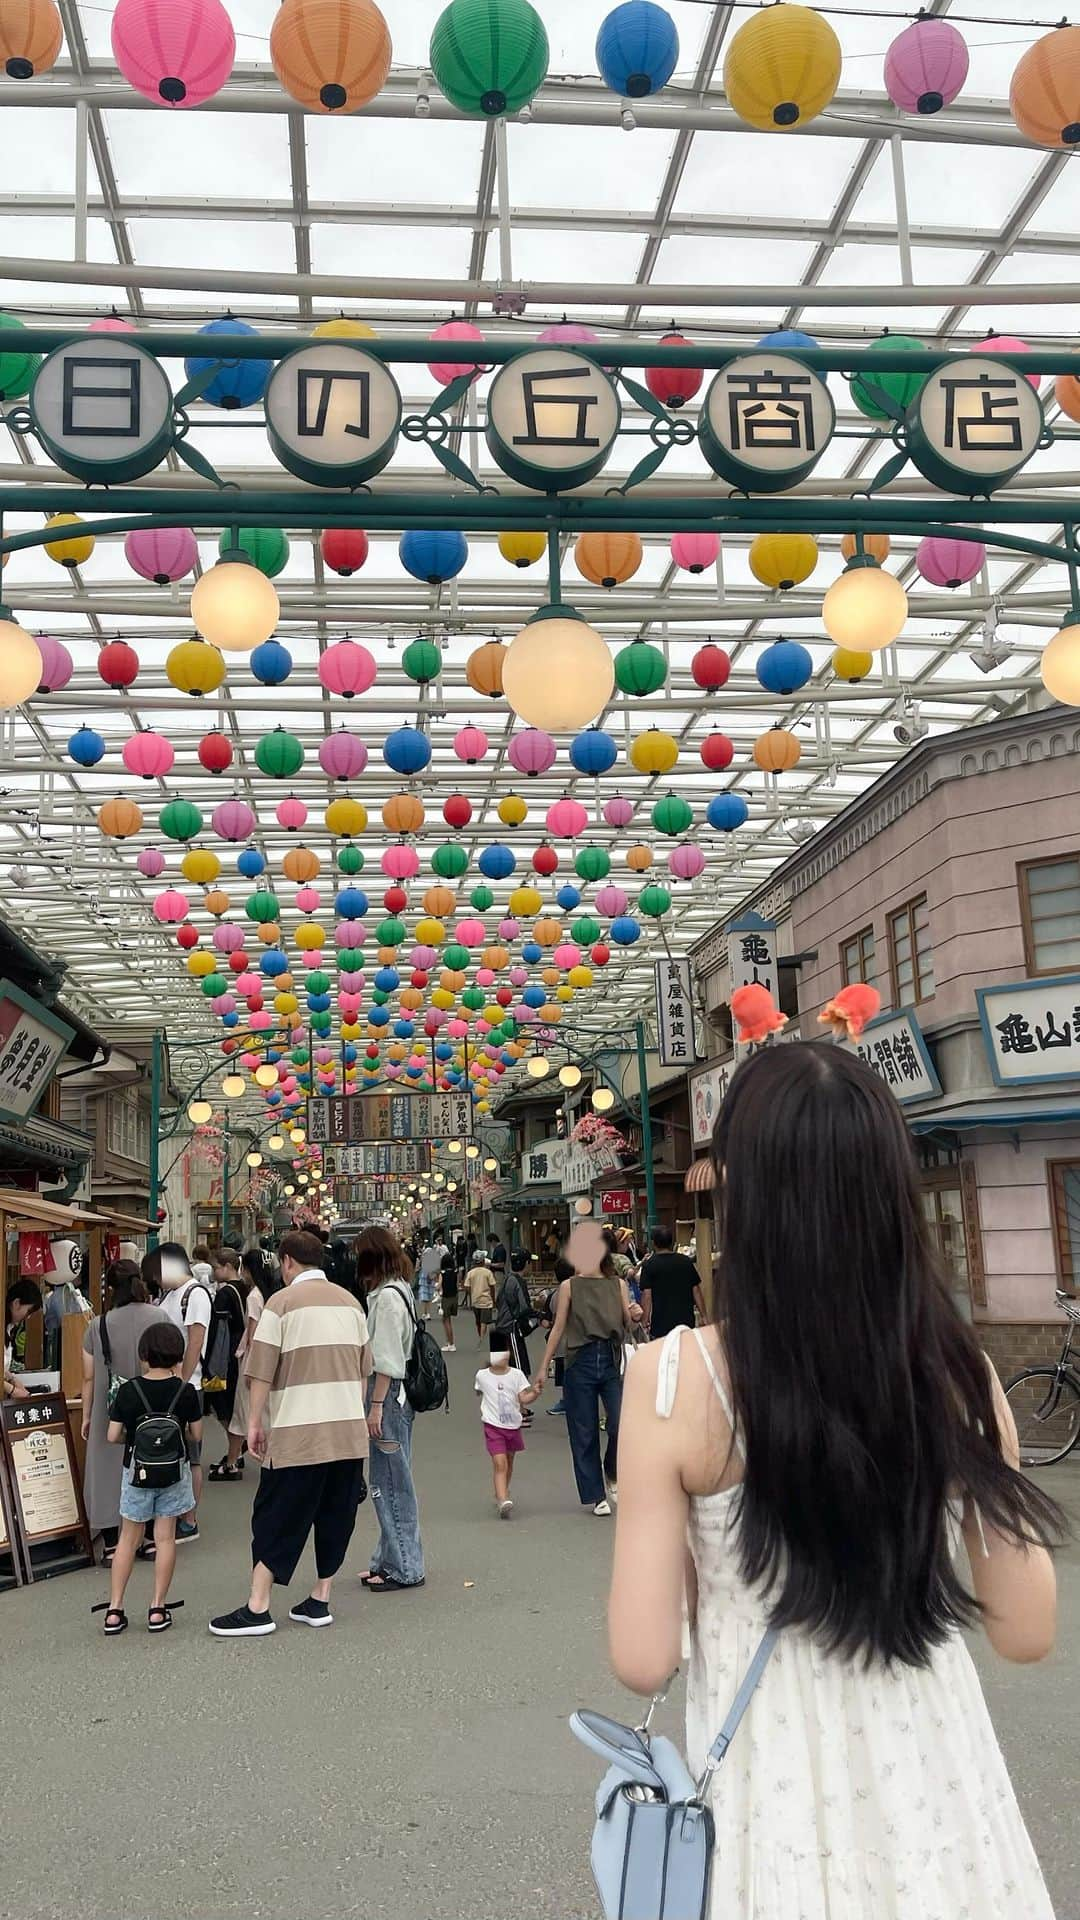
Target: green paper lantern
266,547
473,998
17,368
279,754
320,1022
318,982
263,907
213,984
456,957
421,661
350,961
390,933
585,931
902,388
640,669
592,863
379,996
654,901
509,1028
672,815
450,860
299,1056
481,898
180,820
489,56
350,860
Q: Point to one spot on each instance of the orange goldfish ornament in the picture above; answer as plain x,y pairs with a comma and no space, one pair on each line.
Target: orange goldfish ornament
755,1014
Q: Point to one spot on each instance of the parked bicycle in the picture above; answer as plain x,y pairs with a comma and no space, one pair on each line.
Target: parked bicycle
1046,1401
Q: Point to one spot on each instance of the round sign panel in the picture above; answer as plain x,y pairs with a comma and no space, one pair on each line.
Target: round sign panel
332,414
974,424
766,421
103,409
553,418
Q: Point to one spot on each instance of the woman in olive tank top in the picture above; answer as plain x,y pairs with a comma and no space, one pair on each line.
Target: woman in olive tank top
593,1314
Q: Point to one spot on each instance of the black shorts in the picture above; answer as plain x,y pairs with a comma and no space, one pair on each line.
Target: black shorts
291,1501
449,1305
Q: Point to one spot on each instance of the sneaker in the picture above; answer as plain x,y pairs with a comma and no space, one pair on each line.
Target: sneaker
449,1349
312,1613
559,1407
186,1530
242,1624
602,1509
506,1508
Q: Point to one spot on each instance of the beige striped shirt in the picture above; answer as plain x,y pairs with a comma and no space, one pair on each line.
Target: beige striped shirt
310,1345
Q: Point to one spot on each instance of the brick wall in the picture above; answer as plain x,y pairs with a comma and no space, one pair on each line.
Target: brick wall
1013,1344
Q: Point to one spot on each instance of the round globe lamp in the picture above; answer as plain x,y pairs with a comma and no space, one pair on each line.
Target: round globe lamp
538,1067
199,1112
234,606
865,609
233,1086
1060,666
558,672
603,1099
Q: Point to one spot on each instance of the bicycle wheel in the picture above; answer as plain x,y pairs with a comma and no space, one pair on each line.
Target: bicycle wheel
1046,1407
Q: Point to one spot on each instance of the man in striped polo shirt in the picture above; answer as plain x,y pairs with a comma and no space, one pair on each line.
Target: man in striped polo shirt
306,1369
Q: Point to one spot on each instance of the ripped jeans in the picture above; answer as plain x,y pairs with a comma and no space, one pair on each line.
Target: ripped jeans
398,1551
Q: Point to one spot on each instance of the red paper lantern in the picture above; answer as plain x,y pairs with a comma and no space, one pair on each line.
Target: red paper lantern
601,954
418,979
372,1051
457,810
717,752
505,996
238,961
545,860
187,935
215,752
344,549
118,664
674,386
395,899
710,667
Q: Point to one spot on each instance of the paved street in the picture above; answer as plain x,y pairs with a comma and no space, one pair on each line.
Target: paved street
411,1761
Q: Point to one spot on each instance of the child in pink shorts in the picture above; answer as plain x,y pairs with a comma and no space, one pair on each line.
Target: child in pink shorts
504,1393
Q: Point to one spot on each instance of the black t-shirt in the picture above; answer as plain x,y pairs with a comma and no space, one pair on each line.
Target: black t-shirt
129,1409
449,1273
671,1279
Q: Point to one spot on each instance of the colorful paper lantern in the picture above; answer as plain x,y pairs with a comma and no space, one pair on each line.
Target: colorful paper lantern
782,67
512,810
17,368
523,549
271,663
345,816
118,664
717,751
332,56
783,560
161,554
407,751
877,545
637,49
151,862
545,861
727,812
433,555
169,906
672,815
445,371
851,664
711,667
404,813
885,396
531,752
119,819
1009,344
57,665
654,752
194,668
232,383
609,559
200,866
693,552
592,864
777,751
421,660
1044,98
342,755
176,53
640,669
567,818
654,901
266,547
484,669
784,667
292,814
945,562
347,669
449,861
233,820
457,810
1067,395
926,66
618,811
86,747
558,671
31,34
674,386
148,754
279,755
625,930
489,57
686,861
180,820
66,548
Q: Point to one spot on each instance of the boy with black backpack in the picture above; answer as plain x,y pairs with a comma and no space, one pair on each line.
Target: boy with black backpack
156,1417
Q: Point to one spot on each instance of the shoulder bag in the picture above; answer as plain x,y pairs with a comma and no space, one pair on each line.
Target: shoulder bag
652,1844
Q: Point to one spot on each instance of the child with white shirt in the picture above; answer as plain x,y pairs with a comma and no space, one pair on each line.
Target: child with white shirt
504,1394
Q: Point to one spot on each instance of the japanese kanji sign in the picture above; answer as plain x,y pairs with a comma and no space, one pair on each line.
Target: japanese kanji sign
894,1046
388,1157
553,417
975,422
102,408
752,953
674,1013
332,414
579,1169
766,421
541,1164
370,1118
32,1044
1032,1030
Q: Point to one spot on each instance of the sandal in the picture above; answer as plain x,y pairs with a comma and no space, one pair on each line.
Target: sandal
367,1578
116,1619
159,1619
108,1555
385,1583
148,1551
221,1470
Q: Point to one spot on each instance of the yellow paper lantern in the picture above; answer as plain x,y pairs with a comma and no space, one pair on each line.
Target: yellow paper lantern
217,903
608,559
564,992
195,668
1060,666
442,998
877,545
865,609
286,1003
777,751
491,1016
782,68
524,902
438,901
523,549
654,752
639,859
345,816
301,865
69,550
850,665
484,669
512,810
119,819
343,329
580,976
430,933
200,866
310,935
403,813
547,932
350,1030
200,963
783,560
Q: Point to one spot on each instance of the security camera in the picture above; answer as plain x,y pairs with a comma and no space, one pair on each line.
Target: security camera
800,830
912,727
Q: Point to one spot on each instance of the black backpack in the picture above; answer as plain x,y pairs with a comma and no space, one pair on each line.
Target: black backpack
158,1450
223,1336
426,1383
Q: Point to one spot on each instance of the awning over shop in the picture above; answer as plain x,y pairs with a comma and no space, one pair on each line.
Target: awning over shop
44,1145
954,1116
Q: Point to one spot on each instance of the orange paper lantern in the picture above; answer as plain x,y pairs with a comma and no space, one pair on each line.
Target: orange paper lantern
1044,98
118,819
484,669
877,545
301,865
607,559
438,901
332,56
30,37
403,813
777,751
639,859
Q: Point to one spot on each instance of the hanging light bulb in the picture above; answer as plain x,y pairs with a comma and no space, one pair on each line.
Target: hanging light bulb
234,1086
538,1067
472,1153
290,1188
297,1136
1060,666
234,606
866,608
199,1112
276,1142
254,1159
266,1075
21,665
569,1076
603,1099
453,1146
491,1166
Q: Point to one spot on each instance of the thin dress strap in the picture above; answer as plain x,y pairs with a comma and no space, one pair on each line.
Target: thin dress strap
718,1387
667,1380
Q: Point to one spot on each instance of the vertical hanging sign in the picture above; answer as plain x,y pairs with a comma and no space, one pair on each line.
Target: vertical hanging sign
675,1013
752,956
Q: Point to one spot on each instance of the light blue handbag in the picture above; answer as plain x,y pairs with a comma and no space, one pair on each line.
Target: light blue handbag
652,1845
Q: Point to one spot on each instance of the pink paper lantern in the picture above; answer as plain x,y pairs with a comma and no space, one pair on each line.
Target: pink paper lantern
161,554
949,563
233,820
485,977
471,933
611,901
291,813
392,1069
619,811
312,958
532,751
323,1054
260,1020
349,1005
566,955
250,1060
525,1016
148,754
566,333
110,323
400,862
519,976
56,663
509,928
693,552
246,984
926,66
1007,343
470,744
434,1018
151,862
350,933
457,1029
342,755
308,899
347,669
228,939
446,370
170,905
224,1003
686,861
176,53
566,819
422,958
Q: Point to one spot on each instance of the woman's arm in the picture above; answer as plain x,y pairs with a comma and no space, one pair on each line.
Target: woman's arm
558,1328
648,1578
116,1432
1015,1584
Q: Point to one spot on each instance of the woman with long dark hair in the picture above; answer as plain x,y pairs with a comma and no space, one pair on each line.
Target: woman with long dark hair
812,1461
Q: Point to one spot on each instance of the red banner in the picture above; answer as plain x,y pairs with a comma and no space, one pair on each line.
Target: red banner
616,1200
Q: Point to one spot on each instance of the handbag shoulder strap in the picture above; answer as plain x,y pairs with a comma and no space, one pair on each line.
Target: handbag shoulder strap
739,1705
106,1350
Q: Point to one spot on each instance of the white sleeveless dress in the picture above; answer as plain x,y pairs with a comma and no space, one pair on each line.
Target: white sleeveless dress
848,1794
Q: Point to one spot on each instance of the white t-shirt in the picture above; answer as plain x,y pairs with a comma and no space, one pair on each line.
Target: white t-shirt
499,1404
197,1313
431,1260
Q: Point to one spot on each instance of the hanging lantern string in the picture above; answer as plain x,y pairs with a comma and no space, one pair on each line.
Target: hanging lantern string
918,13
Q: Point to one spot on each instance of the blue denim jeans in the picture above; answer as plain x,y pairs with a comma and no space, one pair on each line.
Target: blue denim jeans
592,1377
398,1551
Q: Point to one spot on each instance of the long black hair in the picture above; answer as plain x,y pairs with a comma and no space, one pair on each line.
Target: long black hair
861,1397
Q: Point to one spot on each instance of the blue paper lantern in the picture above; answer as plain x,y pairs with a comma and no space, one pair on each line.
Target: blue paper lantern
273,962
444,1051
534,997
637,49
784,667
378,1017
413,1072
453,1077
351,904
727,811
568,898
250,863
232,1020
625,930
318,1002
406,751
531,952
403,1029
271,663
348,1053
86,747
387,980
594,751
787,337
237,383
433,554
496,861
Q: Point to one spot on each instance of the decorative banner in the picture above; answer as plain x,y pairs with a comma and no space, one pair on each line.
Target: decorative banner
893,1045
370,1162
552,419
373,1117
974,423
1032,1030
332,414
708,1090
766,421
751,943
616,1200
541,1164
674,1012
103,409
32,1044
